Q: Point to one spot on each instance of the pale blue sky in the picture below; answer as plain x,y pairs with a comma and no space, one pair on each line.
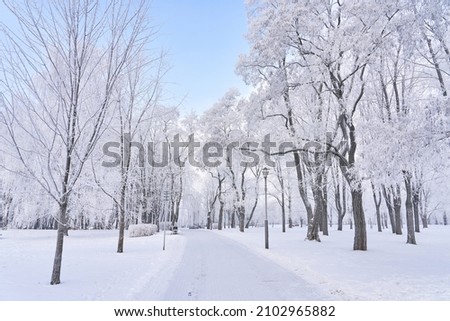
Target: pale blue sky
204,39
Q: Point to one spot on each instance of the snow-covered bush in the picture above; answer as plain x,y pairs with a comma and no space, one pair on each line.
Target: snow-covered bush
137,230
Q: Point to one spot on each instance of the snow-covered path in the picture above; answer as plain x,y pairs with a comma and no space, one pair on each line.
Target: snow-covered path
217,268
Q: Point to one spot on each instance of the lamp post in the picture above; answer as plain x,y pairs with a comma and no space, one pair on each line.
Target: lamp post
166,201
265,172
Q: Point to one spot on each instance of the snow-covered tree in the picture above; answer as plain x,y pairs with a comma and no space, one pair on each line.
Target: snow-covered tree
59,71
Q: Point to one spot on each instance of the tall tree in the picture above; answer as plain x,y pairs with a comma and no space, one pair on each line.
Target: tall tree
59,72
303,55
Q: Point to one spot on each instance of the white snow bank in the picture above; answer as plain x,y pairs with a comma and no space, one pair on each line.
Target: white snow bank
138,230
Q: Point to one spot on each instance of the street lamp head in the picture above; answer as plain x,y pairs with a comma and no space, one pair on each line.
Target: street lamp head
265,172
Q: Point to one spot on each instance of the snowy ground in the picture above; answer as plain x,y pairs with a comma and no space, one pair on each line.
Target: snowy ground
389,270
91,270
226,265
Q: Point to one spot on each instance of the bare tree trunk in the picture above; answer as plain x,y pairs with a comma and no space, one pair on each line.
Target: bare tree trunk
340,208
389,205
377,202
242,199
324,191
239,199
221,205
304,196
7,210
436,66
280,177
125,151
210,205
360,240
344,201
319,193
57,261
256,173
221,202
219,196
416,200
178,197
252,212
121,220
233,219
411,237
315,222
380,229
241,212
209,221
423,208
397,210
312,223
290,224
